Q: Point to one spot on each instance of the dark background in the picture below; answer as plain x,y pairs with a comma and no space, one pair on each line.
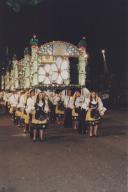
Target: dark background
103,22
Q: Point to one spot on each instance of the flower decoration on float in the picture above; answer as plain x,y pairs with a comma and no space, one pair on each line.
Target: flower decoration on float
45,74
60,70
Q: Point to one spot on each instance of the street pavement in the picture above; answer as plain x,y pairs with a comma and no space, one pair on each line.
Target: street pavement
65,161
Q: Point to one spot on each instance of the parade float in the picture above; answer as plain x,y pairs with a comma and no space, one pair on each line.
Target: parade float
48,66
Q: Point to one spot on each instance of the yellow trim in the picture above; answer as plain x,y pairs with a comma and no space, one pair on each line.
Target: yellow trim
59,112
35,121
89,118
18,113
26,118
74,114
10,110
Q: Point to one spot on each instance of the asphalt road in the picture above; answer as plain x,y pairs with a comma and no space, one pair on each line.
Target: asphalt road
66,161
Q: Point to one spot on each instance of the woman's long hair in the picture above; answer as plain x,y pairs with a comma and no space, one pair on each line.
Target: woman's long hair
96,97
38,99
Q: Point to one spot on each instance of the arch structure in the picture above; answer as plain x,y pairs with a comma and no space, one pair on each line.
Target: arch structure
59,48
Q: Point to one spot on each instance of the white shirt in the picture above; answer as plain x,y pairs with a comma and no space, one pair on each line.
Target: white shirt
30,104
101,108
85,104
46,108
78,102
13,100
62,95
69,102
40,104
21,102
55,99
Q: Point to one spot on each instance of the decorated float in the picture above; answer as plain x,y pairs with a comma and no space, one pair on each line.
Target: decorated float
48,65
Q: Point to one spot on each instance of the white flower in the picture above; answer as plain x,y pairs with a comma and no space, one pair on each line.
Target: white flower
60,70
45,74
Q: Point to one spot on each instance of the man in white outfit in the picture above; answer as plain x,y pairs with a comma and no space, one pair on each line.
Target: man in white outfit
13,101
83,112
69,105
30,108
54,99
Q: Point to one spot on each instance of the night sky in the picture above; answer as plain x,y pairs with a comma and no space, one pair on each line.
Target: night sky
103,22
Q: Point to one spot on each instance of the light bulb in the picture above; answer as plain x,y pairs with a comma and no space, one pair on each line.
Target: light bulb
103,51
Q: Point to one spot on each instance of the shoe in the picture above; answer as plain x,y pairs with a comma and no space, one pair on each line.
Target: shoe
34,140
25,131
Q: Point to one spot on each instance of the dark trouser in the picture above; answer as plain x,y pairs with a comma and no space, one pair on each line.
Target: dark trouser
53,113
68,117
82,127
7,111
13,115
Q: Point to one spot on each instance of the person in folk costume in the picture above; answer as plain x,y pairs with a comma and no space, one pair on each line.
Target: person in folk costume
69,105
25,115
50,98
9,108
40,117
83,107
8,103
77,109
6,99
30,108
2,95
54,98
47,104
60,110
21,107
1,100
95,112
17,112
83,112
62,95
13,100
3,103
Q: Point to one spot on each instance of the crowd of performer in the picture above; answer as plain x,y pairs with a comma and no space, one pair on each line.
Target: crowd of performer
34,110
